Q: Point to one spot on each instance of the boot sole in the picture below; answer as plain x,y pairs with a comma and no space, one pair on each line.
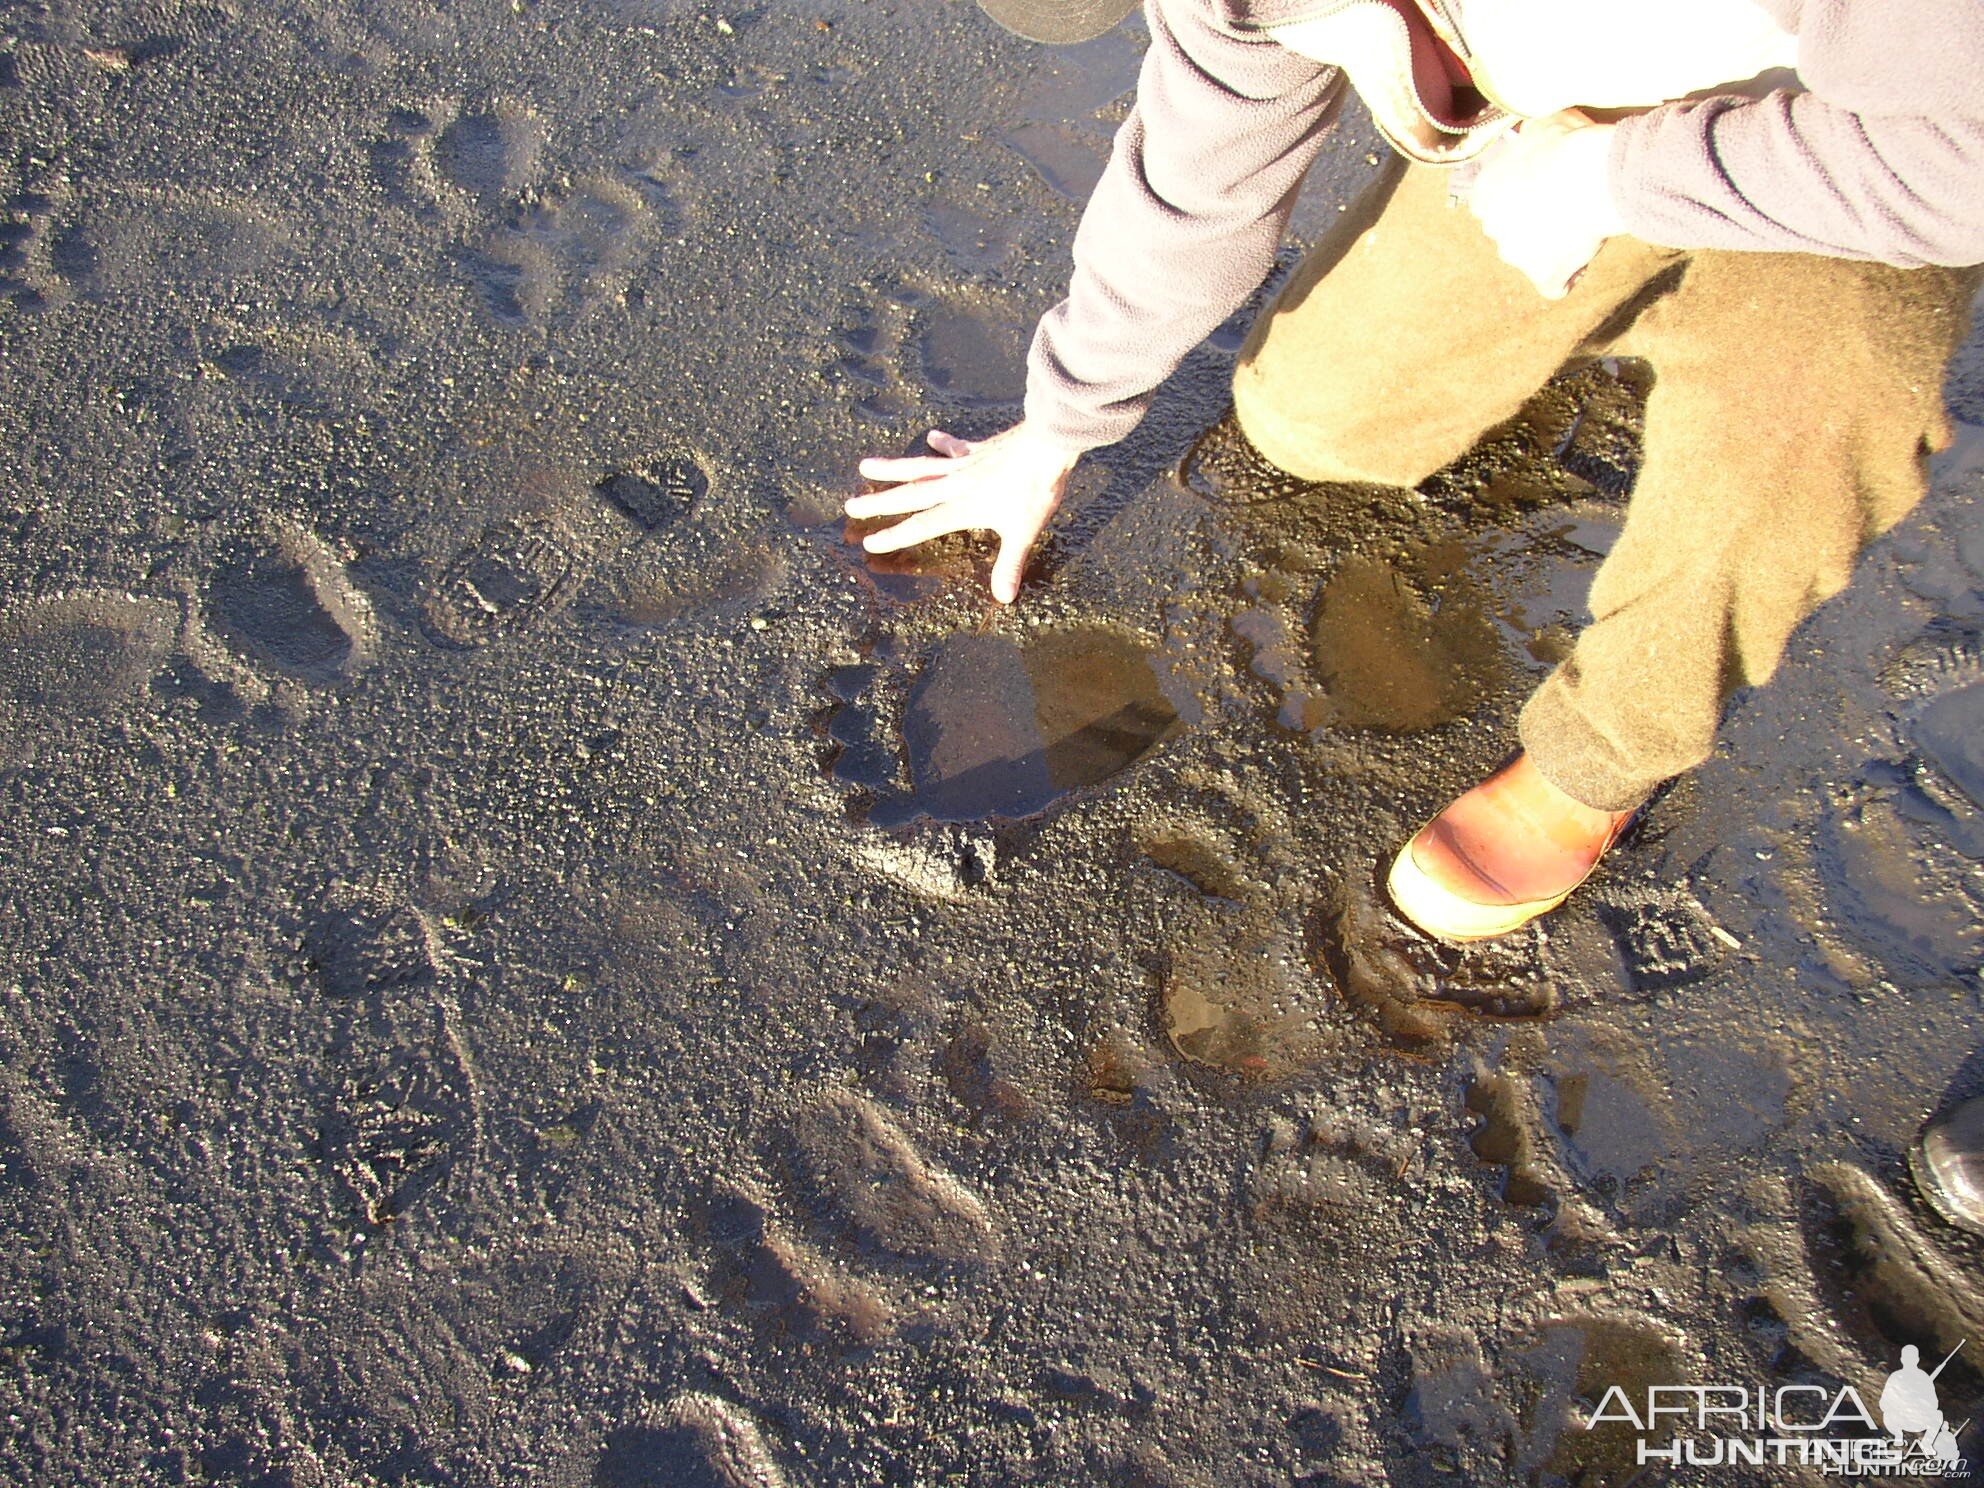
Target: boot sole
1444,915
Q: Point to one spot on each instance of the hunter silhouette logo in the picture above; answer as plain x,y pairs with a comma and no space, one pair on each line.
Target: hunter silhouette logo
1909,1407
1810,1425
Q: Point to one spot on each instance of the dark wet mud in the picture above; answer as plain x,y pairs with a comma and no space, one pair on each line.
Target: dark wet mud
524,960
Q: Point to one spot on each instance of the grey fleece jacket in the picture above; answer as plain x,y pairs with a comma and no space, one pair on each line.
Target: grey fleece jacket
1878,154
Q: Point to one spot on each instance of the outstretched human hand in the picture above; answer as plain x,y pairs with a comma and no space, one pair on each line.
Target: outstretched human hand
1544,197
1009,484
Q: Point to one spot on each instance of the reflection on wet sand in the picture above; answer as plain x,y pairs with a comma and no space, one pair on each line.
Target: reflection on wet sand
1242,1002
996,727
1519,1414
1573,1359
1503,1139
1061,128
1391,657
1950,732
972,357
1422,634
910,574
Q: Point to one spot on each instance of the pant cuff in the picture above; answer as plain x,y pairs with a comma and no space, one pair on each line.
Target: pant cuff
1580,761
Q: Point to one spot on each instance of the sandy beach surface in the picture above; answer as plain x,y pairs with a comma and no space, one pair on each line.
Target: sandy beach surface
524,961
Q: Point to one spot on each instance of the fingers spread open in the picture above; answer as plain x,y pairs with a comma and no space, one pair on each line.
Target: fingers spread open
917,529
1009,568
907,467
913,496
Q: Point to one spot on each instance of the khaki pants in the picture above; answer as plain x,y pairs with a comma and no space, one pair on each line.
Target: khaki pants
1796,399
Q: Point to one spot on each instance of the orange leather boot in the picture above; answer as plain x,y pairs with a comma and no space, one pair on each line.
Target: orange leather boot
1507,851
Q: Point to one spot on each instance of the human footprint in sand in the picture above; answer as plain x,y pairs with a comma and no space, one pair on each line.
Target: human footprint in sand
1778,204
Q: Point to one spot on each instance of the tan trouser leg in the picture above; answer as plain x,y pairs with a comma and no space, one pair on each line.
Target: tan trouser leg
1795,401
1388,354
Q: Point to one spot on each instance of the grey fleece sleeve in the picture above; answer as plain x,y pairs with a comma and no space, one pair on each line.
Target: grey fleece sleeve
1882,158
1184,223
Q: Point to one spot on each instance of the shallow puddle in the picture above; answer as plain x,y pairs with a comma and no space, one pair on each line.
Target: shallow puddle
1067,158
1073,82
1212,1033
1611,1134
1546,577
1242,1005
972,359
1950,731
994,728
909,575
1395,658
973,240
1570,1362
1503,1139
1063,125
1881,896
1424,634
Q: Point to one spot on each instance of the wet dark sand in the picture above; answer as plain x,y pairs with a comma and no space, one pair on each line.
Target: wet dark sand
507,975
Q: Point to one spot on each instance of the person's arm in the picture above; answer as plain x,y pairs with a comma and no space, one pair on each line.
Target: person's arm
1182,227
1881,158
1184,224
